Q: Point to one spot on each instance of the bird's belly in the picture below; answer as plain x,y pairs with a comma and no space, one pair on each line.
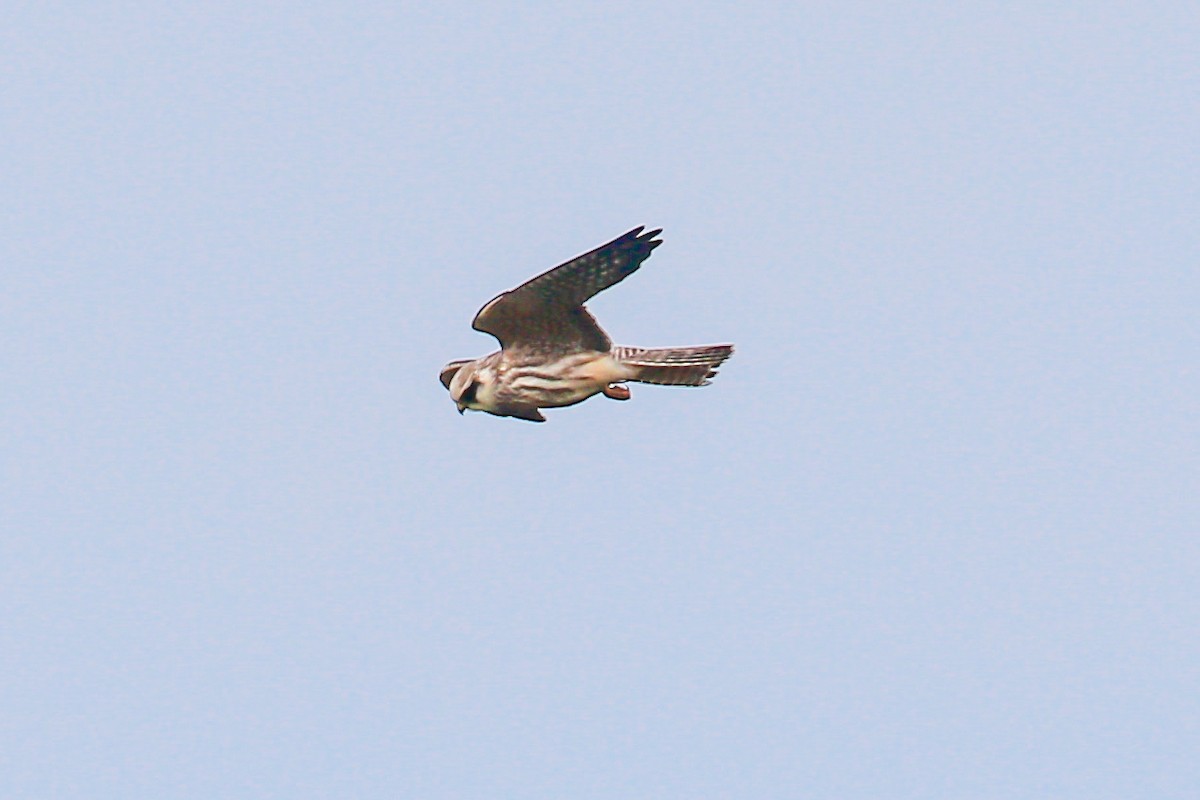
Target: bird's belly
554,392
567,381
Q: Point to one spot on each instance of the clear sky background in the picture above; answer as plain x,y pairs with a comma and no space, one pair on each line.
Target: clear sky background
932,533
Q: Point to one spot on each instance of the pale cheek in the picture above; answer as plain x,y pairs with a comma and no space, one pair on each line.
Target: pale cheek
485,395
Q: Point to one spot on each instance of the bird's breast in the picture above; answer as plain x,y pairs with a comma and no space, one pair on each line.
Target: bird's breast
559,381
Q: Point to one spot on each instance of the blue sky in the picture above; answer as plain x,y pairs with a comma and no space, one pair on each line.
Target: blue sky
931,533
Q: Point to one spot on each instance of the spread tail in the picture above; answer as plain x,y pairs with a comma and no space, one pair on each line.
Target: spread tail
673,366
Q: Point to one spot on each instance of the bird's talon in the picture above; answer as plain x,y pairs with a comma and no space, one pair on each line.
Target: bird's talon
617,392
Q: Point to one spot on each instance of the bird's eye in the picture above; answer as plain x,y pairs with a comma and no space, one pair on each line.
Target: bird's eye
468,395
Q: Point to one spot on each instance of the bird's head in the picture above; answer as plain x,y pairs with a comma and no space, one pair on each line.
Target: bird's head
463,378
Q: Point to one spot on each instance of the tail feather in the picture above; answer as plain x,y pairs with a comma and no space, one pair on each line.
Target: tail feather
673,366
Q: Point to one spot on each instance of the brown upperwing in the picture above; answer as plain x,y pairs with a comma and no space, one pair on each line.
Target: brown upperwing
546,313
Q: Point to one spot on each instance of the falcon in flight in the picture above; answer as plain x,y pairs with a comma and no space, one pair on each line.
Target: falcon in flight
554,354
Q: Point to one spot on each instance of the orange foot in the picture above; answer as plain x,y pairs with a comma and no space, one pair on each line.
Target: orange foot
616,391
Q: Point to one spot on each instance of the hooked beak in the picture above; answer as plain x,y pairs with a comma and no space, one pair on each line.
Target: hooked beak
461,408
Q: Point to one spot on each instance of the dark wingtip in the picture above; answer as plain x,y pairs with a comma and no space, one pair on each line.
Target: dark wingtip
648,238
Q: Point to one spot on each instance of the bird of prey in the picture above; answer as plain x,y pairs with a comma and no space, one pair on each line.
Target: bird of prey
554,354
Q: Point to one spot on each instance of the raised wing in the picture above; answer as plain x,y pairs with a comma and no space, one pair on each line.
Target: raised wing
547,313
